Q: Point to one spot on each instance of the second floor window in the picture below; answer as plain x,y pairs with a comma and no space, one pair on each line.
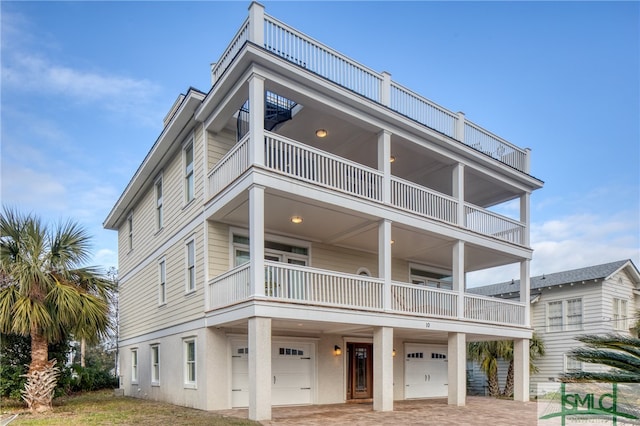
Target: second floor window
159,205
564,315
162,290
188,173
191,266
620,314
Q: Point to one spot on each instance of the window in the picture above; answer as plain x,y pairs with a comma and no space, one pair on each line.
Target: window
275,251
434,279
159,204
130,231
564,315
188,172
155,364
190,362
134,365
620,321
162,290
191,266
571,364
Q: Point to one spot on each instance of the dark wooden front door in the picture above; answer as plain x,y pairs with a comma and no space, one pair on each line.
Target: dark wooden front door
360,377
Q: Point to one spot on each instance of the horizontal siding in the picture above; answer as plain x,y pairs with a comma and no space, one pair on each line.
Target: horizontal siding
219,145
619,286
219,249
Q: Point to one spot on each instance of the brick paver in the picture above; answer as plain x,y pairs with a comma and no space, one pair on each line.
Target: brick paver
477,411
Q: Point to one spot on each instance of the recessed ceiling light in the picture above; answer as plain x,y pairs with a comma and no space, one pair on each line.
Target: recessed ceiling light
296,219
321,133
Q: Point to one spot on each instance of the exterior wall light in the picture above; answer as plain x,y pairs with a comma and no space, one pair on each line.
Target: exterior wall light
321,133
393,353
296,219
337,350
392,159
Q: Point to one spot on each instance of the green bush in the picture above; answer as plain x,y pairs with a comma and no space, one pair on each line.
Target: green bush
11,382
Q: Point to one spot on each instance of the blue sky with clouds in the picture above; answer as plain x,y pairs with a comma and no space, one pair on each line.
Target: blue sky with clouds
85,86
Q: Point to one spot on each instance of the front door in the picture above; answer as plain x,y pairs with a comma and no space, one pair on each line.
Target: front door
360,376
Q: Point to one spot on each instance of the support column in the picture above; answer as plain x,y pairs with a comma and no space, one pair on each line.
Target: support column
384,164
459,275
385,92
457,186
383,369
460,127
256,239
525,290
525,217
256,119
260,368
521,370
457,369
256,23
384,260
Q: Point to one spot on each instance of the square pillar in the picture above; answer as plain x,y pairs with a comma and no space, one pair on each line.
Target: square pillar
383,369
256,239
384,260
457,189
256,23
525,290
525,217
521,370
384,164
259,368
459,275
256,119
457,369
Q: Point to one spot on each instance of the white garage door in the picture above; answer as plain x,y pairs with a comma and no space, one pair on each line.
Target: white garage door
425,371
292,368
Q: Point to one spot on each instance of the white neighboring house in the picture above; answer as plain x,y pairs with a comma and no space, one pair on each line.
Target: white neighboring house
300,232
597,299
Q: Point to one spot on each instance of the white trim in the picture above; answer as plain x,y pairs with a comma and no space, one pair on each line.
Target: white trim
363,271
162,283
187,281
135,366
159,202
155,347
190,384
185,172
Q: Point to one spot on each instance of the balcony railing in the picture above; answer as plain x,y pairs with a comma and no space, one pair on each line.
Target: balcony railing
311,286
300,161
298,48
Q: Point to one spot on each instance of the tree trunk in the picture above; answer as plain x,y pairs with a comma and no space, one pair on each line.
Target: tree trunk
508,386
492,382
83,347
41,377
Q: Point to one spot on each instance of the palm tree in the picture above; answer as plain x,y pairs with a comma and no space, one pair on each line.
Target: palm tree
536,351
621,353
46,294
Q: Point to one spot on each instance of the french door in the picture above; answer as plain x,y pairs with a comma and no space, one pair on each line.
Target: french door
360,371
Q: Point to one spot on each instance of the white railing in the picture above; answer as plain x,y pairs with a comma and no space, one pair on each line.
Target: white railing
415,299
418,199
422,110
488,223
491,309
305,284
302,50
230,287
230,167
494,146
234,47
313,165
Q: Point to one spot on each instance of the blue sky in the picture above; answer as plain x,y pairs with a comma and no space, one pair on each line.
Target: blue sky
85,86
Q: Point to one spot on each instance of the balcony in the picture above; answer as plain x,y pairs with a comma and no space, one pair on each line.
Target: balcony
287,157
295,47
303,285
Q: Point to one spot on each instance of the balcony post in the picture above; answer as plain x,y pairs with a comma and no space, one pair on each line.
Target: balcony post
525,217
460,127
527,160
459,275
384,164
256,23
384,261
385,92
458,192
525,290
256,119
256,239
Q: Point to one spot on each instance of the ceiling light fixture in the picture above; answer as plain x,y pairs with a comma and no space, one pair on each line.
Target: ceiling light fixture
296,219
321,133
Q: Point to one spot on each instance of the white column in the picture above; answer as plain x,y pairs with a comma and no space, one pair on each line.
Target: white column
457,369
460,127
384,164
260,378
383,369
521,369
525,217
459,274
525,290
385,92
256,119
256,239
384,260
457,189
217,370
256,23
527,160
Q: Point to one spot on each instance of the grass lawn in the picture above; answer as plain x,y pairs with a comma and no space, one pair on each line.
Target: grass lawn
103,408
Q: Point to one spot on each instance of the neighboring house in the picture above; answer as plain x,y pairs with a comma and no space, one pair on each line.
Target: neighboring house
593,300
300,231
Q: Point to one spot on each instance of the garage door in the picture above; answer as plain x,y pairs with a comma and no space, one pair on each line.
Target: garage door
292,368
425,371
